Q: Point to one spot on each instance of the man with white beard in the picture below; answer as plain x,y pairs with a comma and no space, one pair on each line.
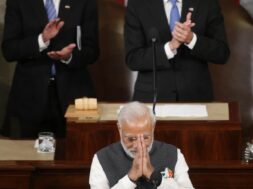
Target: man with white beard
138,161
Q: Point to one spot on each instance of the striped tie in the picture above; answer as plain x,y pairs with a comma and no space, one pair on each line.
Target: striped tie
51,14
174,14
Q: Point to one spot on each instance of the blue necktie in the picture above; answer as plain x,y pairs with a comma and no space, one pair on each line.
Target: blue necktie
51,14
174,14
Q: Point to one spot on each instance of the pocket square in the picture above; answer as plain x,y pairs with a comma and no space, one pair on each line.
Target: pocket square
67,7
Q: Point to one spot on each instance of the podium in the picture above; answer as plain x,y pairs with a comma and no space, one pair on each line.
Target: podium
211,146
213,138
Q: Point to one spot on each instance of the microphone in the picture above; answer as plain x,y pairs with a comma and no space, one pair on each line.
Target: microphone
156,179
153,36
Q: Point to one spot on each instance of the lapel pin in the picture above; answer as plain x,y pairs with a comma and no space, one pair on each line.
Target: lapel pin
67,7
191,9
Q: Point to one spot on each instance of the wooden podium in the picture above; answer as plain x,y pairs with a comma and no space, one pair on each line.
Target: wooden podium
213,138
211,146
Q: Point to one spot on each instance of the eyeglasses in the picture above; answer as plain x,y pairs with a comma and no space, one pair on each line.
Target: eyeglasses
131,139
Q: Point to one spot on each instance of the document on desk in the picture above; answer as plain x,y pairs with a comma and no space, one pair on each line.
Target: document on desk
181,110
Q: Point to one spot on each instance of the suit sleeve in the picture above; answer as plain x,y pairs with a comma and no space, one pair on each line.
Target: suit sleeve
138,49
212,46
89,32
15,45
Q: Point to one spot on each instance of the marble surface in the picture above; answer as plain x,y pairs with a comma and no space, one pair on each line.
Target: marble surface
21,150
2,10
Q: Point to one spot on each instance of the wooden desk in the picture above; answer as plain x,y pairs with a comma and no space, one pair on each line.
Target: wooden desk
44,175
212,149
221,175
74,174
198,139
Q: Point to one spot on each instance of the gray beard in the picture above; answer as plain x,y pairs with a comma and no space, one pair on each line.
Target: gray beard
131,153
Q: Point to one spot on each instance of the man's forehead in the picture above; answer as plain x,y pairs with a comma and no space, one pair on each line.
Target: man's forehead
138,123
137,128
133,135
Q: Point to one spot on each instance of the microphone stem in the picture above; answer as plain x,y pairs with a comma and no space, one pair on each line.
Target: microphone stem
154,75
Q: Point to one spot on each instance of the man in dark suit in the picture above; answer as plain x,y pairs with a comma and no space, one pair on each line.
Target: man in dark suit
52,41
182,52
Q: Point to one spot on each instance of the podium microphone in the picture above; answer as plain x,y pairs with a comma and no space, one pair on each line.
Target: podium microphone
153,36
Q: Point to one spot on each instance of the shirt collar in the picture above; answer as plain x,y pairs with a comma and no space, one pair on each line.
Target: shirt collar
166,1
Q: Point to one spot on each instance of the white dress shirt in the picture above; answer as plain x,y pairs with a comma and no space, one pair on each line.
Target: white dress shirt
43,45
181,180
167,6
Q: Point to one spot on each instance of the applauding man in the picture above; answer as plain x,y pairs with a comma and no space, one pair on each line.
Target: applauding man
137,161
53,42
189,35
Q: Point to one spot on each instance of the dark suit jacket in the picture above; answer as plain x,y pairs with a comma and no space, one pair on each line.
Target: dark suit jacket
186,76
24,21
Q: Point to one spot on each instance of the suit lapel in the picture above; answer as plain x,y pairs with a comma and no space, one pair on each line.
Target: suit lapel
157,11
39,10
187,5
64,9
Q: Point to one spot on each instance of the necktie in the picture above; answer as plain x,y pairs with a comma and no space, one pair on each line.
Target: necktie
51,14
174,14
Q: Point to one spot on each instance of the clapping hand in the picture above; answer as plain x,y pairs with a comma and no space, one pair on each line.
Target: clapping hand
182,31
63,54
52,29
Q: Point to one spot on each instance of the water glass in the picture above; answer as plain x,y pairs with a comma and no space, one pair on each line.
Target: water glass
46,142
248,152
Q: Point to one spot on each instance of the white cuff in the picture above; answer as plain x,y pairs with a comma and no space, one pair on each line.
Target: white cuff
125,182
67,61
193,42
42,45
170,54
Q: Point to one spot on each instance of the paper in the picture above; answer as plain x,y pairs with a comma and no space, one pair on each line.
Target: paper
180,110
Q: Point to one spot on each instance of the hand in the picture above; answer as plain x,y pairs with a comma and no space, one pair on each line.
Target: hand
182,31
147,168
136,169
174,44
52,29
63,54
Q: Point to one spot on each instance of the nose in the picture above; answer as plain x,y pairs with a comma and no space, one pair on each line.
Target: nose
135,145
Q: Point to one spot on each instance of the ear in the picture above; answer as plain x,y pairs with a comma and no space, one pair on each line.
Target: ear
119,129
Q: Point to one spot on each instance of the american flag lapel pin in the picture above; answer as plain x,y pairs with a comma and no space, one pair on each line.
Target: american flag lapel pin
191,9
167,173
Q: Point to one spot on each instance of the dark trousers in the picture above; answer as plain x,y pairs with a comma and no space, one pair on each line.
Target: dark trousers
53,119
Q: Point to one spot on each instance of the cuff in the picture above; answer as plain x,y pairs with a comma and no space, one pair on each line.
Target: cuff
169,53
67,61
193,42
42,44
125,181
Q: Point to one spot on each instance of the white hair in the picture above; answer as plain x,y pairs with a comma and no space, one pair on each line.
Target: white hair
134,111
